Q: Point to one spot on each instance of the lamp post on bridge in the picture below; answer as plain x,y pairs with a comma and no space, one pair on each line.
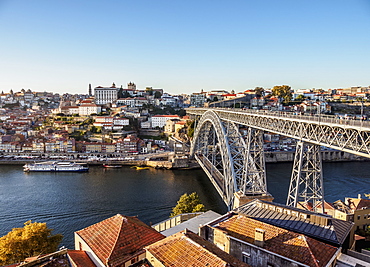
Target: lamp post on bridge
362,111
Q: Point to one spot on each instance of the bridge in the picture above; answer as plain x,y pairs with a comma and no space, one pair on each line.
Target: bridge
228,145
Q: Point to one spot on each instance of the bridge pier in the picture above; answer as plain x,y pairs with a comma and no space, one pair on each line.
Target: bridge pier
306,184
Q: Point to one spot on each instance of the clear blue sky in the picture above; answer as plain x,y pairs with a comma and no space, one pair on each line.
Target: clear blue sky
183,46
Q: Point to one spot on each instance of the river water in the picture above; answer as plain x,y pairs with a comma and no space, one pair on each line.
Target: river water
68,202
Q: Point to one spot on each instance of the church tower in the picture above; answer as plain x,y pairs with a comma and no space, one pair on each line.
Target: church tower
131,86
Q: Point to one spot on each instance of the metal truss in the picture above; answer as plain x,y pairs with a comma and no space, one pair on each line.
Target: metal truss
306,184
349,136
231,163
255,164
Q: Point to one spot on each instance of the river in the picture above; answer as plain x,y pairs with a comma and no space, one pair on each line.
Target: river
68,202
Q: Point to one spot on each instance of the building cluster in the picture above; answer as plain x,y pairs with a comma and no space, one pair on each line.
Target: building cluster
110,120
312,101
258,233
107,116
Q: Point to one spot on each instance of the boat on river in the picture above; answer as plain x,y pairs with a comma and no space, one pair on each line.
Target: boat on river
140,167
112,166
55,166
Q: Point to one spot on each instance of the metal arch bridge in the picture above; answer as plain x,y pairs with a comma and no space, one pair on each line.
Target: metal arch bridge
228,144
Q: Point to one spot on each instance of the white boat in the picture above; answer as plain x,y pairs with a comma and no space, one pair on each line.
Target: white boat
55,166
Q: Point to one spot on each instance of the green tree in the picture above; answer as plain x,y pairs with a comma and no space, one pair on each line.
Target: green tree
188,204
31,240
190,126
157,94
300,98
282,91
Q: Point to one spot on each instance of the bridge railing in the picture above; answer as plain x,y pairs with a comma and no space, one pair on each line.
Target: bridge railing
319,118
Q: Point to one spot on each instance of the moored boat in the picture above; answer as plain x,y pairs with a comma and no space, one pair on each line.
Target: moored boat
140,167
112,166
55,166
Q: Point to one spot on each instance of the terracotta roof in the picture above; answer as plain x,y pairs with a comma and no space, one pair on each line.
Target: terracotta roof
80,258
188,249
359,203
118,238
289,244
335,231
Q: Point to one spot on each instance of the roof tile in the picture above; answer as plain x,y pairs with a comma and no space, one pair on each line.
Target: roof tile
119,238
297,247
186,249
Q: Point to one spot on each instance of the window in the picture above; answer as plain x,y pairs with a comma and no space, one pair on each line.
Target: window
358,217
246,256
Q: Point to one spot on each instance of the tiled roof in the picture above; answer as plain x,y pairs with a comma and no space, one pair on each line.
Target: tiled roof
359,203
292,245
80,258
188,249
118,238
335,231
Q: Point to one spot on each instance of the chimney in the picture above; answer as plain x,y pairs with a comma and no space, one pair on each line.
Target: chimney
259,237
359,196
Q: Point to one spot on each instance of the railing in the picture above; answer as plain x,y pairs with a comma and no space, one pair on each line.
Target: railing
317,118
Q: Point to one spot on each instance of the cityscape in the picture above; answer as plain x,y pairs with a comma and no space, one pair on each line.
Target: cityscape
114,126
199,133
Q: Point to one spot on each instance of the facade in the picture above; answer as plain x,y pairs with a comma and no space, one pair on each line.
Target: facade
105,95
197,99
132,101
170,125
160,120
88,109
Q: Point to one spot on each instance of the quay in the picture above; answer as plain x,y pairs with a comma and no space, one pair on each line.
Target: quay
160,161
157,161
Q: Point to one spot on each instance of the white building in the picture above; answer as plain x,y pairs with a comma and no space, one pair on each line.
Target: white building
121,121
145,125
132,101
88,109
105,95
197,99
160,120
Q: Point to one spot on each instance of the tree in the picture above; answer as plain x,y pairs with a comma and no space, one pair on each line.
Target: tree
31,240
188,204
259,91
157,94
282,91
300,98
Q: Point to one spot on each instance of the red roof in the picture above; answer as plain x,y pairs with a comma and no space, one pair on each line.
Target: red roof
80,258
188,249
119,238
297,247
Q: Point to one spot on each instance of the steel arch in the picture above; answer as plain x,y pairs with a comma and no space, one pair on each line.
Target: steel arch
211,119
228,161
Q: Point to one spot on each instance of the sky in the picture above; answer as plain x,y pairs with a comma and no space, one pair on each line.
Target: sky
62,46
